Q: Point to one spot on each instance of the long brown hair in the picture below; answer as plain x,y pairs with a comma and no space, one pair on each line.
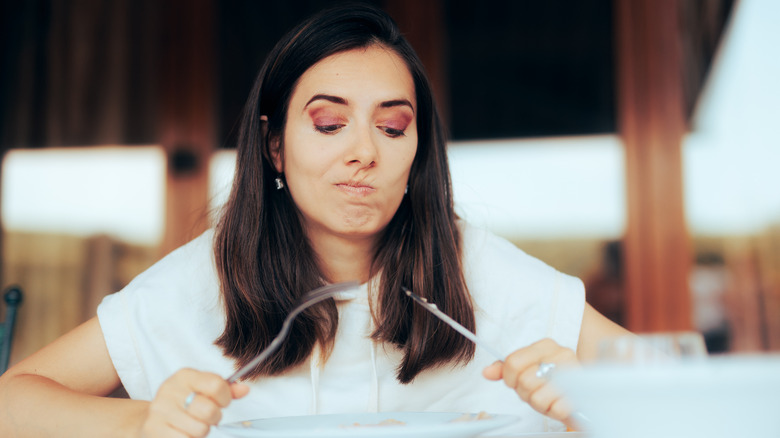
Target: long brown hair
264,259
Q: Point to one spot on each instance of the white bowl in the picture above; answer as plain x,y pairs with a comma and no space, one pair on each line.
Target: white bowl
728,396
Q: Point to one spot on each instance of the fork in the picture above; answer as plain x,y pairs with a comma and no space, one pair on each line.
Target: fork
311,298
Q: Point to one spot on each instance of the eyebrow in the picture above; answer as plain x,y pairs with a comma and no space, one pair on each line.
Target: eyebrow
342,101
329,98
397,102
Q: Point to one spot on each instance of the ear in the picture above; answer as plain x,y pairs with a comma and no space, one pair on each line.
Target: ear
274,146
277,153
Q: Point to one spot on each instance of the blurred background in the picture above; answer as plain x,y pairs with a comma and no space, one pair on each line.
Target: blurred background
632,143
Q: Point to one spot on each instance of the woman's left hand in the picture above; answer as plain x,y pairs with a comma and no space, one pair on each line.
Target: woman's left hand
525,371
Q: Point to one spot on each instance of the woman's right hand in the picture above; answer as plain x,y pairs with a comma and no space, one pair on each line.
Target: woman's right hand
170,414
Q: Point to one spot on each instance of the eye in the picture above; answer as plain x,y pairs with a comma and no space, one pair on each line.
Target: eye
392,132
328,129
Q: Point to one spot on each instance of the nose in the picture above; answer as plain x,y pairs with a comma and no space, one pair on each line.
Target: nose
362,149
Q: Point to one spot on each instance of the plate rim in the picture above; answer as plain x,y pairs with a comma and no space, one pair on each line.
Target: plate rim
477,426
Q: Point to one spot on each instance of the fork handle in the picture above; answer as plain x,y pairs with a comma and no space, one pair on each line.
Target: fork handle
313,297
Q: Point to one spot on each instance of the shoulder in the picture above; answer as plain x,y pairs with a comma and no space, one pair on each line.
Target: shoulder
192,256
186,274
519,292
486,254
192,262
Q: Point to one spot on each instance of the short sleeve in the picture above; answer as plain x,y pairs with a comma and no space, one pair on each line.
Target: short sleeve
519,298
166,319
122,346
567,309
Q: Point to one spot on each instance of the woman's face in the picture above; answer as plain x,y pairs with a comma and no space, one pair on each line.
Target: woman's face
349,142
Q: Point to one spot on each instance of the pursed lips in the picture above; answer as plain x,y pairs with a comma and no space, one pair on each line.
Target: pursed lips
355,188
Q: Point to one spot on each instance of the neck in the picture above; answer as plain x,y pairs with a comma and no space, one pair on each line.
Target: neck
344,258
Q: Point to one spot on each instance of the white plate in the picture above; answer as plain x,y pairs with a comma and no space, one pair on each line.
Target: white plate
416,425
543,435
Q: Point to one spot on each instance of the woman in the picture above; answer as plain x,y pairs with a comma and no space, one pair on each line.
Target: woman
341,175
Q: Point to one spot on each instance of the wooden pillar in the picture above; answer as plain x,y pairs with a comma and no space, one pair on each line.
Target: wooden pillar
422,23
652,124
188,120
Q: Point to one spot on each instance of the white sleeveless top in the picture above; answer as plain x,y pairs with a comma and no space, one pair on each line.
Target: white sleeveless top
169,316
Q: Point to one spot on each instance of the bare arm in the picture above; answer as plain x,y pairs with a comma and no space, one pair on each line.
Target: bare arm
595,328
60,391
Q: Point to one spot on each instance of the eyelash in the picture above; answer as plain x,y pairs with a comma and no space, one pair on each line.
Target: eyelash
328,129
332,129
393,132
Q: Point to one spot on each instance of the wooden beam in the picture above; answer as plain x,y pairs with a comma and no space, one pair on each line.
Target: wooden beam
651,123
422,23
187,119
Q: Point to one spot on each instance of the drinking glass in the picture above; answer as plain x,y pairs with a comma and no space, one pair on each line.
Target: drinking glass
652,348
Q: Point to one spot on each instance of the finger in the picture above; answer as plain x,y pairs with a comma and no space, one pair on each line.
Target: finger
575,420
238,390
521,360
562,358
543,398
561,410
527,382
535,376
155,429
494,371
167,420
187,424
204,409
212,386
169,417
170,432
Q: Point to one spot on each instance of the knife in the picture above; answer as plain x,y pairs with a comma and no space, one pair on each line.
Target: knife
431,307
581,419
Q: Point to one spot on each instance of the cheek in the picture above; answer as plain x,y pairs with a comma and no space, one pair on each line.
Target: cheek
301,167
409,154
306,158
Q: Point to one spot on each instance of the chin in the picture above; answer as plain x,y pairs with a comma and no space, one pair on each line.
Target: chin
360,232
361,228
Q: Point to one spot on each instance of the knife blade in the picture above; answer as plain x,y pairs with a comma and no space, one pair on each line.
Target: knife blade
431,307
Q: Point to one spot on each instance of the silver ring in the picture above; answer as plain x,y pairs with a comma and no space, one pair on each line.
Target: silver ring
188,401
544,369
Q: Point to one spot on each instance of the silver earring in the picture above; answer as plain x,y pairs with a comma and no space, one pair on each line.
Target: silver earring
406,190
279,183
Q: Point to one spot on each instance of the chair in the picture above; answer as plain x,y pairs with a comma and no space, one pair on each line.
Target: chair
12,298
